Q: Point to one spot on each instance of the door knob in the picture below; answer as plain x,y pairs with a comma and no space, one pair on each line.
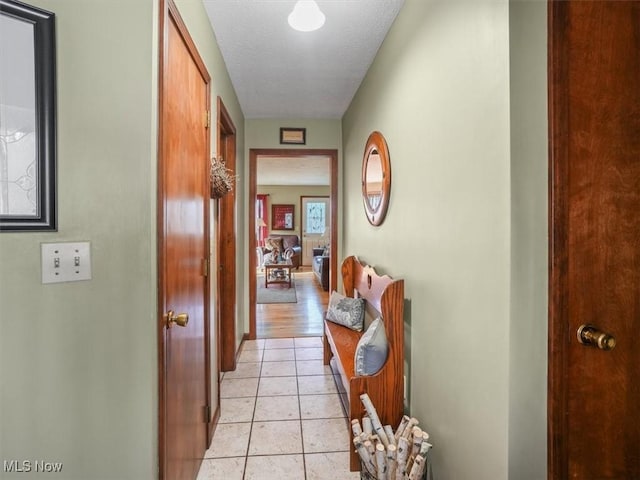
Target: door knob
590,336
181,319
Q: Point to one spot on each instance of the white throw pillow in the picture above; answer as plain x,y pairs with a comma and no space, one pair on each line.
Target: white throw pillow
372,349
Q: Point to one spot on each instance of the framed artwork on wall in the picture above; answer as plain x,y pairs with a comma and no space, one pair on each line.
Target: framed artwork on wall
282,216
293,136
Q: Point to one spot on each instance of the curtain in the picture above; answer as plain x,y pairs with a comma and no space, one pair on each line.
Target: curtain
262,219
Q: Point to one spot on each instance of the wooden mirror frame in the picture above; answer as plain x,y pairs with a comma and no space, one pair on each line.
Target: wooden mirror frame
377,143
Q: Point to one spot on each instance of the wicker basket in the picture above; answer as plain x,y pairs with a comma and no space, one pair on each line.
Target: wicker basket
221,178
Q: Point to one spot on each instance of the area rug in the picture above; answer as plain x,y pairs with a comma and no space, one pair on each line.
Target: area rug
275,293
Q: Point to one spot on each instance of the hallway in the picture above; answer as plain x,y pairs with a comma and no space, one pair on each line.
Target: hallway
280,417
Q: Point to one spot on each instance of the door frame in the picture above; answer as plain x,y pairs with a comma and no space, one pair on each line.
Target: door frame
254,153
558,355
168,11
226,246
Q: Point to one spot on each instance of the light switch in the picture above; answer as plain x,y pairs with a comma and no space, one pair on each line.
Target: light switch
66,262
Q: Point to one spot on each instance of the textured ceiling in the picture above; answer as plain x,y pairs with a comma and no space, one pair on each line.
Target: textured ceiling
279,72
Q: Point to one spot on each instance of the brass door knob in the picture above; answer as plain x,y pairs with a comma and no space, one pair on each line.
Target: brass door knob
590,336
181,319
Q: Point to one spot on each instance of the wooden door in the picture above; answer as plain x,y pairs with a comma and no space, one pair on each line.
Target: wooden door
594,394
183,251
226,240
315,225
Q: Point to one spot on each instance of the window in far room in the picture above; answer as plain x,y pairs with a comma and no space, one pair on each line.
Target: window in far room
316,218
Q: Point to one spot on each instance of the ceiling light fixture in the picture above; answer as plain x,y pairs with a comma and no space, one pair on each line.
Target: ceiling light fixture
306,16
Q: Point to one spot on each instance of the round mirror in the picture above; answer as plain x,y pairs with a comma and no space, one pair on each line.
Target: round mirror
376,178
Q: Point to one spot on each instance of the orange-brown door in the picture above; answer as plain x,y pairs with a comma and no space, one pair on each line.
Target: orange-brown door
183,232
226,242
594,391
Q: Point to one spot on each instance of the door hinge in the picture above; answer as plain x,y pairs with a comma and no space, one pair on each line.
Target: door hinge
205,267
207,414
207,118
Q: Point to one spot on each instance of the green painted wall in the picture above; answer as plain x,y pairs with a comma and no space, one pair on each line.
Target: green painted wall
78,372
78,361
439,92
529,240
459,90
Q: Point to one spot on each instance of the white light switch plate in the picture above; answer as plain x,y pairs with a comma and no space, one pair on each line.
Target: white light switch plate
66,262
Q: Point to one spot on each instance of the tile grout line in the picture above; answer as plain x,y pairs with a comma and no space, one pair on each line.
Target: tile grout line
304,461
255,405
299,396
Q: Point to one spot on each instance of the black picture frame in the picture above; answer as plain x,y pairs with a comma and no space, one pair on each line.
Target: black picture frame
44,45
293,136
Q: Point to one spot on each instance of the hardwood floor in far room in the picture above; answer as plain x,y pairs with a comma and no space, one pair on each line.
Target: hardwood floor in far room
301,319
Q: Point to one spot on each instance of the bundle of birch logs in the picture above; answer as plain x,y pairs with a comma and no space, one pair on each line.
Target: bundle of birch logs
389,455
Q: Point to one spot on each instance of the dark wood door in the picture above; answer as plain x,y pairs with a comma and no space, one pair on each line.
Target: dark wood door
594,394
184,247
226,240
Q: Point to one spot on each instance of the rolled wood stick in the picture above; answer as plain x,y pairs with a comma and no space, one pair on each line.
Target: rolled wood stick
401,458
355,427
418,468
375,420
372,452
390,435
403,424
417,441
381,462
367,462
407,431
366,425
424,449
391,462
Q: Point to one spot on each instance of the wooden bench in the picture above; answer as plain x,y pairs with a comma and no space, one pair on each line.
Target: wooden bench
384,297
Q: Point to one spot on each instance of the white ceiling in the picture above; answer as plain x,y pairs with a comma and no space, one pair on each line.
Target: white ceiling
278,72
308,170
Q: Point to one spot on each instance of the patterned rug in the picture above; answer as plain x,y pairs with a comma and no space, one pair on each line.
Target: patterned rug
277,293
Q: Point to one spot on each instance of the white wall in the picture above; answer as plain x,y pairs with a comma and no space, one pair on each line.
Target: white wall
438,90
78,361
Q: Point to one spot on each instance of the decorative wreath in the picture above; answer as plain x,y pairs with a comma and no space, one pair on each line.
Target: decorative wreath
222,178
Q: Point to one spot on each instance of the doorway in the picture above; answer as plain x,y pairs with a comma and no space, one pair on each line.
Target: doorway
254,156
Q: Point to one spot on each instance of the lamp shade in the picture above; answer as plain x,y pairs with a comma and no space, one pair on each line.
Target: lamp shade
306,16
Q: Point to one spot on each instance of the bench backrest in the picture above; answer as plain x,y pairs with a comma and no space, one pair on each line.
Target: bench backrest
385,297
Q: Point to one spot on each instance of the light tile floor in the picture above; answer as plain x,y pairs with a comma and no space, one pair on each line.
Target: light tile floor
280,417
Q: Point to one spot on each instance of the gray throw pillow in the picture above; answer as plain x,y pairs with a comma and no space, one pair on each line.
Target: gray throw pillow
372,349
346,311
